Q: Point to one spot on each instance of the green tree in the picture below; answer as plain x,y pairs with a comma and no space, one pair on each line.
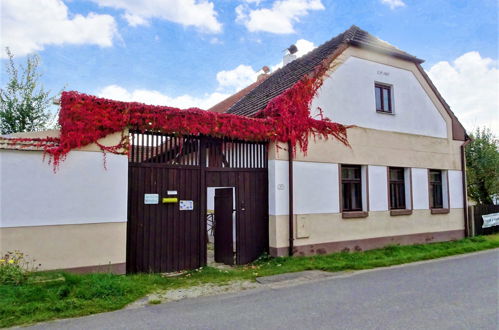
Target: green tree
482,161
24,104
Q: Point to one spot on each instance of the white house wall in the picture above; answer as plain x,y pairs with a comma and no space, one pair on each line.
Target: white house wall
315,185
455,189
347,96
420,188
81,191
74,218
378,188
320,227
278,187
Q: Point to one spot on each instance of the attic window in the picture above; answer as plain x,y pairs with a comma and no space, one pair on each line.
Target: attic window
383,95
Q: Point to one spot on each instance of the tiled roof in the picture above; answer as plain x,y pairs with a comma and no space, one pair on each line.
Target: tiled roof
256,99
224,105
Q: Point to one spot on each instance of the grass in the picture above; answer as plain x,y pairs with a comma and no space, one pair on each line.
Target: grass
51,295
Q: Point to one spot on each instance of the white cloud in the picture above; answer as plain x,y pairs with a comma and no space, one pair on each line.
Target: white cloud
470,84
236,79
197,13
154,97
277,19
229,82
393,4
29,26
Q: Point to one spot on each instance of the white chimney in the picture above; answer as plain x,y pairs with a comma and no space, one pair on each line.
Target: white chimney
290,55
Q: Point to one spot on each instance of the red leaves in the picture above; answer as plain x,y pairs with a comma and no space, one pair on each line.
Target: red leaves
84,119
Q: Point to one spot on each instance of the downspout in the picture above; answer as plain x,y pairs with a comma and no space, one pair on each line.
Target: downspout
290,185
465,192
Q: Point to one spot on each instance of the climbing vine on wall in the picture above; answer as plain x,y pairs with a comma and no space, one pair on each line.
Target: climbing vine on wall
84,119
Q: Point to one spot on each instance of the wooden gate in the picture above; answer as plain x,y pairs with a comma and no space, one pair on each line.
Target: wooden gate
163,237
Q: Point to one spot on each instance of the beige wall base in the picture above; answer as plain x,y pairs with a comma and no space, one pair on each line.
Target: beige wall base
80,247
368,244
327,228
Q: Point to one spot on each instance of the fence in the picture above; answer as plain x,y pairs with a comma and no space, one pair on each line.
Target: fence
476,220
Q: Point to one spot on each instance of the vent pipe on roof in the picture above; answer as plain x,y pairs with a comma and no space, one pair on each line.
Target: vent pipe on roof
290,55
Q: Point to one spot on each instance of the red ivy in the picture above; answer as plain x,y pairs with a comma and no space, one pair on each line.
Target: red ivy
84,119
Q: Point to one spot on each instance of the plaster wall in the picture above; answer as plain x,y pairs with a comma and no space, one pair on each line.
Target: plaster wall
81,191
378,188
68,246
348,97
331,227
420,188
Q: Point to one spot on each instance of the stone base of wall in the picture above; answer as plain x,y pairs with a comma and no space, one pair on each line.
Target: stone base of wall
368,244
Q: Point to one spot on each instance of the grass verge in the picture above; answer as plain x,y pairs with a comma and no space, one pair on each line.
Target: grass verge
51,295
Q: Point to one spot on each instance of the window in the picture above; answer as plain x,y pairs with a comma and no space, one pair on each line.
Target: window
383,98
436,189
351,186
397,188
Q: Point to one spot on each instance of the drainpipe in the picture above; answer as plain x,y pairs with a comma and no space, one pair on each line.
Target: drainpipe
290,185
467,232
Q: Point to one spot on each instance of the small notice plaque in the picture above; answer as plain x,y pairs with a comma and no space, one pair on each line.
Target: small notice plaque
151,198
490,220
171,192
186,205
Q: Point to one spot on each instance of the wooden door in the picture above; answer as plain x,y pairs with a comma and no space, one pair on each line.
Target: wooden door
224,246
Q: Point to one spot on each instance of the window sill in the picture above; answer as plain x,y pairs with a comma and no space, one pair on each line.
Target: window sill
400,212
440,211
354,214
385,112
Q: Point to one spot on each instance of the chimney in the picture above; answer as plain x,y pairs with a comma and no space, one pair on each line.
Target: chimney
290,55
265,73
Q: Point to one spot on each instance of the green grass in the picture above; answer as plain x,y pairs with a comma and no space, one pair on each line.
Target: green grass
51,295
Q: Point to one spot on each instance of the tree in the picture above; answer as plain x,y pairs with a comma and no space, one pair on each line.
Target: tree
24,104
482,161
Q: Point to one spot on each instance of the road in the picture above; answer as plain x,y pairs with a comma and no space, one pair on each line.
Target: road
453,293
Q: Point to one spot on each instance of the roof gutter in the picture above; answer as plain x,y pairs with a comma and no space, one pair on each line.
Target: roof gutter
467,229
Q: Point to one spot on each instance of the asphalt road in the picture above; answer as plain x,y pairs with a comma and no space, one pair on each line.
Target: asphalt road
453,293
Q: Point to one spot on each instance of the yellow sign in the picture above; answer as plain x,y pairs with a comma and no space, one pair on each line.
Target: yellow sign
170,200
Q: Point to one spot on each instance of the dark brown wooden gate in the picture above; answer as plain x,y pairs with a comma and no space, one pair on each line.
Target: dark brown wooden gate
163,238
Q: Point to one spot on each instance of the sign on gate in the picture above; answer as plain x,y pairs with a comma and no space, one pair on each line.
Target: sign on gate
490,220
151,198
186,205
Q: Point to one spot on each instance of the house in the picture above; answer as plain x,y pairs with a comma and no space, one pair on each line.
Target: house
400,179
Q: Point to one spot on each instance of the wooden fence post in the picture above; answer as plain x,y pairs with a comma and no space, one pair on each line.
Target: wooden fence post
471,217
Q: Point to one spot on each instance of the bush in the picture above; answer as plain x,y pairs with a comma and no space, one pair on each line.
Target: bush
15,268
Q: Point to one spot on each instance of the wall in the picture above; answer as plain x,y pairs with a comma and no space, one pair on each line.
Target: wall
418,137
73,218
347,96
316,204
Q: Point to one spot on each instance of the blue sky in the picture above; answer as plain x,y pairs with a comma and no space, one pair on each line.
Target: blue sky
194,53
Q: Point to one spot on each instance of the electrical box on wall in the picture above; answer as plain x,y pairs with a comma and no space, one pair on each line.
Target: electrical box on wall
302,226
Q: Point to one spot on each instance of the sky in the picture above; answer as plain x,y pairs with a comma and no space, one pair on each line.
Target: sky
194,53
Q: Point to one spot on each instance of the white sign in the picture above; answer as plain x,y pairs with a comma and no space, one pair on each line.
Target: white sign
171,192
151,198
186,205
490,220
